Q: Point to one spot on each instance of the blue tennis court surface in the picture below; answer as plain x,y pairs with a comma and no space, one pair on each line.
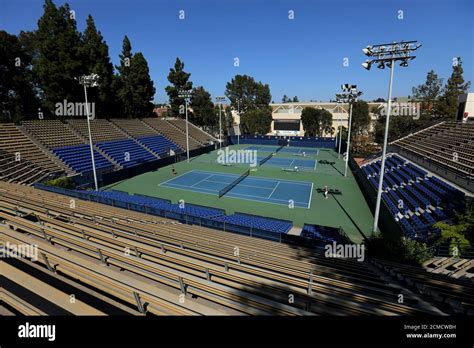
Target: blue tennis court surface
289,150
303,164
266,190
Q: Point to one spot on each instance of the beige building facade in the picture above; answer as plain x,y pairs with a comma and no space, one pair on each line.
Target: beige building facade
287,116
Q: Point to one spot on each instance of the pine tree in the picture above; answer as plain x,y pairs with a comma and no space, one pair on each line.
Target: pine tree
59,56
134,86
428,93
179,80
122,83
252,94
97,60
203,109
447,106
143,89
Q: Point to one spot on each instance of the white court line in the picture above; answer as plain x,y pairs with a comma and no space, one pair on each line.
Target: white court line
200,181
186,187
240,185
310,196
278,183
176,177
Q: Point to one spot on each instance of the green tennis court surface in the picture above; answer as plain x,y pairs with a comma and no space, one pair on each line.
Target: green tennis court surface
349,210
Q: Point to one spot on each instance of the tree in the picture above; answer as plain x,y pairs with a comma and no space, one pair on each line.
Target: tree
285,99
256,121
427,94
316,122
17,96
398,126
143,88
179,80
253,95
401,250
360,117
60,58
295,99
97,60
134,86
458,235
122,83
447,105
203,109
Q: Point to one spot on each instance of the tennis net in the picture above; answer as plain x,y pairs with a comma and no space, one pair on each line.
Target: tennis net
281,147
234,183
262,161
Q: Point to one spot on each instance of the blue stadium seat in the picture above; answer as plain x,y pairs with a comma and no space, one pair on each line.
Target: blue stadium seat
159,144
418,192
263,223
78,157
126,152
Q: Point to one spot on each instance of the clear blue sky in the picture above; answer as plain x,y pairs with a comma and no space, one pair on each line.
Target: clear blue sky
302,57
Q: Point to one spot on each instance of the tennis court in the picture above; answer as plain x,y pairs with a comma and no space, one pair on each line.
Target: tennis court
281,162
266,190
297,151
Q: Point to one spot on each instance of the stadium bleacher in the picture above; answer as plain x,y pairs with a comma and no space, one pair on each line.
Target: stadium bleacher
159,144
118,143
194,132
22,160
172,133
91,233
415,199
447,143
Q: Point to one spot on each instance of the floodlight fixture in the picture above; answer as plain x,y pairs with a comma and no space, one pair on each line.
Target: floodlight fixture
91,80
367,64
368,50
184,93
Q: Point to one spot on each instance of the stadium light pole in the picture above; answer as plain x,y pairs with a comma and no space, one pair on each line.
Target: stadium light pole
238,111
219,100
349,95
91,80
387,55
340,137
186,94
